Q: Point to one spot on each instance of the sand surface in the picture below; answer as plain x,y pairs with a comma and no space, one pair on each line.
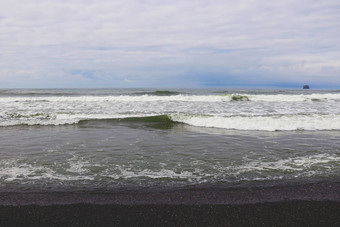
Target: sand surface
307,205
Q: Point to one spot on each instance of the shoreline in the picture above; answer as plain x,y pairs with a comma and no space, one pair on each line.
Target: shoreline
315,204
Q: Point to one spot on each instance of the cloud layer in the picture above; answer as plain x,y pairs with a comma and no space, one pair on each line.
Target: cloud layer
149,43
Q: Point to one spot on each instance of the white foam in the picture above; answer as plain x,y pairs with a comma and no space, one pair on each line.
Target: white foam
182,98
264,123
77,165
201,171
303,166
64,119
295,98
11,171
120,98
154,174
198,171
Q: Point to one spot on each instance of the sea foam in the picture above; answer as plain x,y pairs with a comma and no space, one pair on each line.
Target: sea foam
265,123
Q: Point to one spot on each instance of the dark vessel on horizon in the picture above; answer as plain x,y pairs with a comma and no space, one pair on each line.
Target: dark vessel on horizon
305,86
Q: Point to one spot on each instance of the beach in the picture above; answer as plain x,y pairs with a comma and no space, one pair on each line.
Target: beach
201,157
308,205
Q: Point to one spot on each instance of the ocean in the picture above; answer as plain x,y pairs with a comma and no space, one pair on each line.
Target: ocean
57,140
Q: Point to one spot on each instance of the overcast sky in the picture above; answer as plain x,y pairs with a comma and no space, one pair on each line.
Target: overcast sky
169,43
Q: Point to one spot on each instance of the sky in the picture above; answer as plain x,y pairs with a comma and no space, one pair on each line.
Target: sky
169,43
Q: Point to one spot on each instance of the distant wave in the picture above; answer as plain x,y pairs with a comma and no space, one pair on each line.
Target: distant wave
173,96
37,93
296,98
80,92
159,93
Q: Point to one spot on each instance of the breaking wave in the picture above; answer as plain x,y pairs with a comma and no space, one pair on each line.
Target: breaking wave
265,123
175,96
159,93
261,123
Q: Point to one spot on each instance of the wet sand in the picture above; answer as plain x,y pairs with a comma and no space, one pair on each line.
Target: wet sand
307,205
292,213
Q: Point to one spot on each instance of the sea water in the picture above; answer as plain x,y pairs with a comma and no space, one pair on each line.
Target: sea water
121,139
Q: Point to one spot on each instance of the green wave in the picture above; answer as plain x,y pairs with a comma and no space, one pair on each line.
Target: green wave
36,115
238,97
318,100
159,93
159,121
165,93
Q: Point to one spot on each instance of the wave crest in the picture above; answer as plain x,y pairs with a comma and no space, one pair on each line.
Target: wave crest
264,123
260,123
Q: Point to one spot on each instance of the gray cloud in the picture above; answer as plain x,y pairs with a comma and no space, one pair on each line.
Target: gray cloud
143,43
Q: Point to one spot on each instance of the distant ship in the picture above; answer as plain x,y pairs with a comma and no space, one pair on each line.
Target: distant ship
305,86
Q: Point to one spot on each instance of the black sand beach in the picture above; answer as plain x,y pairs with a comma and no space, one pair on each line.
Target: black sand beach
292,213
303,205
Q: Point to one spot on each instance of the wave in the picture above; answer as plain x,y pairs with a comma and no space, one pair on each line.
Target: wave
173,96
121,98
157,121
159,93
260,123
296,98
239,98
23,116
13,119
40,93
264,123
82,92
